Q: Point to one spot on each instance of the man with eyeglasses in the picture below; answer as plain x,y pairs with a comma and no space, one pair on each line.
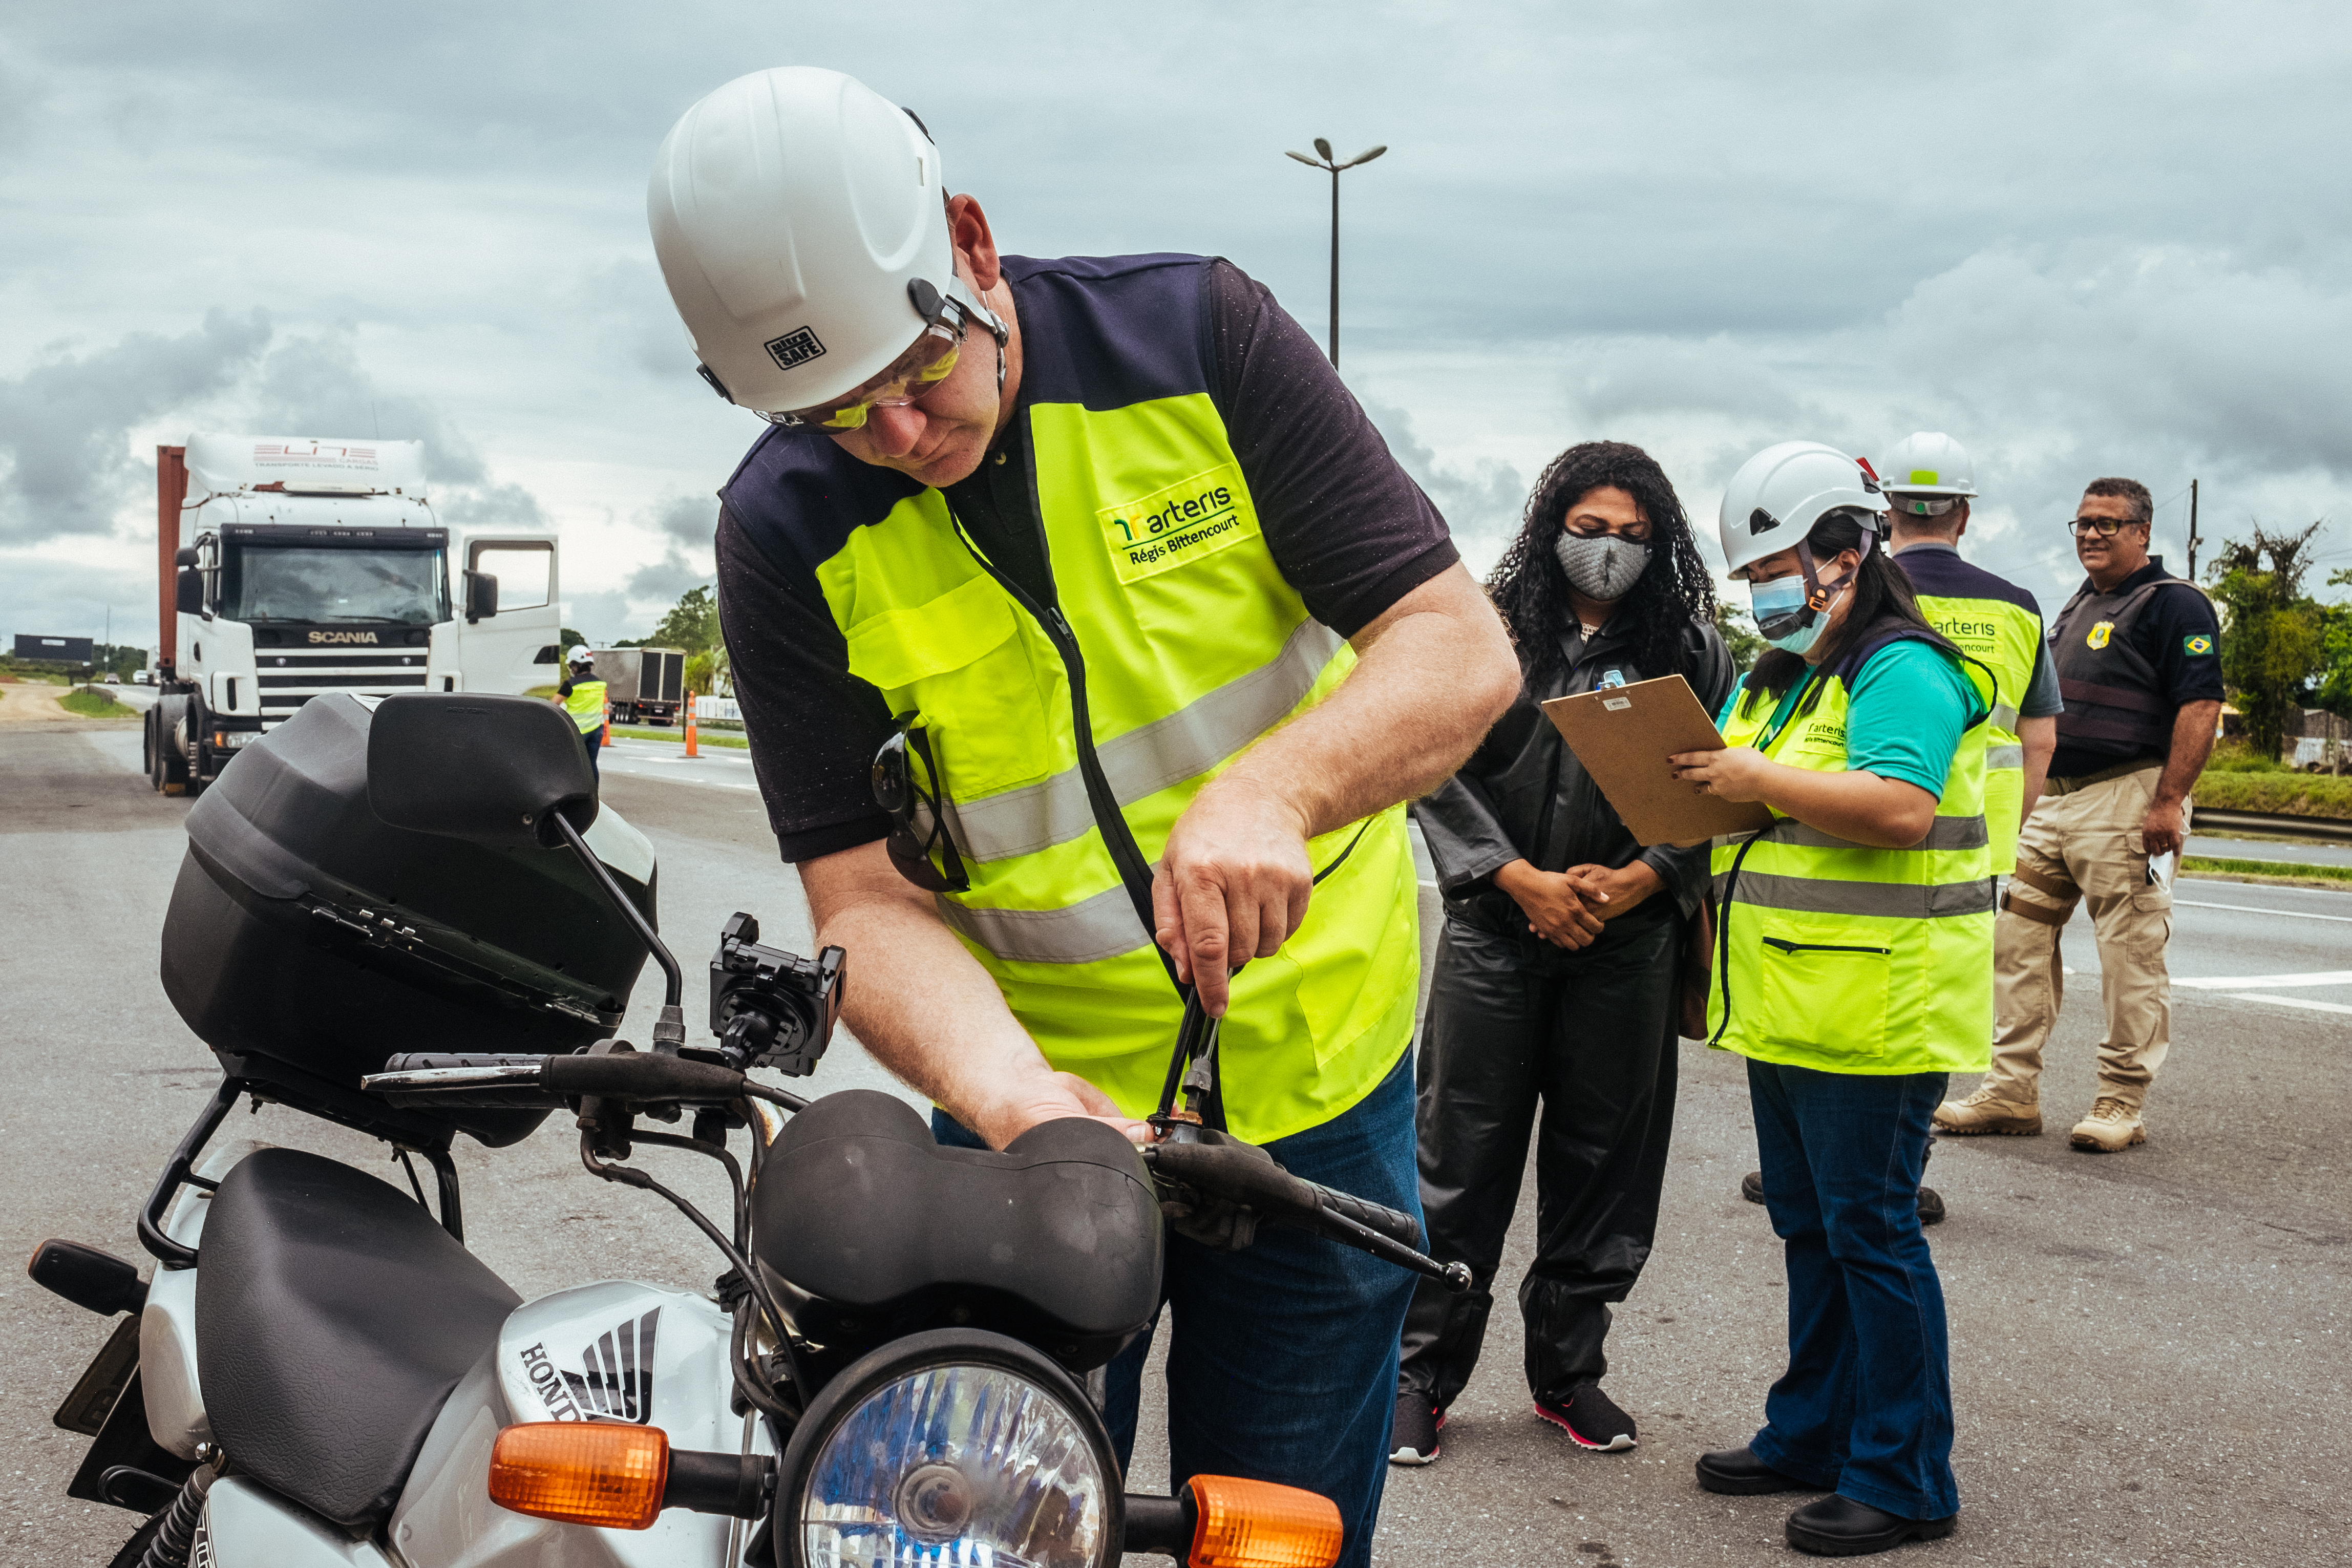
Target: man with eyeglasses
1089,641
2138,655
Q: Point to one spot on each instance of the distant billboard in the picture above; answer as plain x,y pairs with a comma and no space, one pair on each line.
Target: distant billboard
56,650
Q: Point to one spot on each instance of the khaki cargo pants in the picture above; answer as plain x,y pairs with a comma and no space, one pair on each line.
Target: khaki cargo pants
2084,845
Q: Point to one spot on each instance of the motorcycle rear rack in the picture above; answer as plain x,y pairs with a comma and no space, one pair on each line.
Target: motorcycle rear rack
181,1171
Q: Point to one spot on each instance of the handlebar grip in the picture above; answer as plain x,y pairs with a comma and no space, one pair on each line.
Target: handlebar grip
1398,1227
644,1075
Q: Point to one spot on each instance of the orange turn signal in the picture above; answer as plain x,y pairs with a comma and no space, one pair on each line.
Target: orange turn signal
582,1472
1257,1524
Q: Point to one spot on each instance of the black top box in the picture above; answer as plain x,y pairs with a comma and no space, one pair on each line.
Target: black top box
308,940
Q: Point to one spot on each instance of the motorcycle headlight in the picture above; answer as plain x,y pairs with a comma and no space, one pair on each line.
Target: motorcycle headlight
972,1453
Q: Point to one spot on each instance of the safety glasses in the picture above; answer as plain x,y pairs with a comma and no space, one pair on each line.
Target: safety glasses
906,785
908,378
2105,527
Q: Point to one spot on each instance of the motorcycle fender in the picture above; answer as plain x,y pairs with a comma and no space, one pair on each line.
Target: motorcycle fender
244,1526
615,1350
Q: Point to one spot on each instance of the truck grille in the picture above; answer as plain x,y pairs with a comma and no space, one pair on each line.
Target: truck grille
287,680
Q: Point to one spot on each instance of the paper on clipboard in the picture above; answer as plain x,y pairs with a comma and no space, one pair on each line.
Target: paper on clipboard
1623,736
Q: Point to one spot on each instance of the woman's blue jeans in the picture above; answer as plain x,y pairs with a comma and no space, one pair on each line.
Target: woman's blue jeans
1284,1363
1865,1406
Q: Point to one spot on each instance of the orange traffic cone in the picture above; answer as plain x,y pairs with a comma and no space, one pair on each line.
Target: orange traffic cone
690,750
605,735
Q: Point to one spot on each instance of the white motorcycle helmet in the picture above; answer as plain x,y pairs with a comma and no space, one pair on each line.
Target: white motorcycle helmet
1780,492
1928,473
800,223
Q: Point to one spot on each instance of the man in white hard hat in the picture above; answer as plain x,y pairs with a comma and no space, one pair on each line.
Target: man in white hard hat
1074,604
583,696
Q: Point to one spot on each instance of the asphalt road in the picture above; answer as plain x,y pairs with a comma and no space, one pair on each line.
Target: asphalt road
2148,1347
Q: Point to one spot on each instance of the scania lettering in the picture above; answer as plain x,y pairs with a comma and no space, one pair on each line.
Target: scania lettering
289,568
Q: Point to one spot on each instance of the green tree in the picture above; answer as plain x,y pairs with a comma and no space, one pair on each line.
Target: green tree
2335,678
1738,630
571,639
692,624
2271,633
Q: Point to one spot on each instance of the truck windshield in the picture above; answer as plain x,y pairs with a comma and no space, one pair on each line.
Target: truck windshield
290,583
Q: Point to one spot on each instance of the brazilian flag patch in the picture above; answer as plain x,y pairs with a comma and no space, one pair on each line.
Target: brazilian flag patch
2196,643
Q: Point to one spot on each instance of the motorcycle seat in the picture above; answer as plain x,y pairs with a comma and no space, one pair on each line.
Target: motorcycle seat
866,1229
333,1317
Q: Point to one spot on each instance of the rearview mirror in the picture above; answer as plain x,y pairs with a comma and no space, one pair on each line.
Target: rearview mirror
481,596
497,770
189,592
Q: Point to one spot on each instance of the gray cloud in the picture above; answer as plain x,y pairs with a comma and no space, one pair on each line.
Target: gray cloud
1481,500
2083,239
65,424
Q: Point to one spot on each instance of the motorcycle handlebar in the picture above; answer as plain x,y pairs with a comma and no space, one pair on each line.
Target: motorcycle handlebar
1247,1175
475,1078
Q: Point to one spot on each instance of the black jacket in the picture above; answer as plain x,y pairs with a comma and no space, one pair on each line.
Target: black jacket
1523,796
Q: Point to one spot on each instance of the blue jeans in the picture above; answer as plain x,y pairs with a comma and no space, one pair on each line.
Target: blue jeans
1866,1403
1284,1363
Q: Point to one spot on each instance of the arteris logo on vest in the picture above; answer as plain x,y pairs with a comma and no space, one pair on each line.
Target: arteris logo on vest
1188,520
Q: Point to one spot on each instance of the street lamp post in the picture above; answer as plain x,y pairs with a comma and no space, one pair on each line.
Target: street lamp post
1325,161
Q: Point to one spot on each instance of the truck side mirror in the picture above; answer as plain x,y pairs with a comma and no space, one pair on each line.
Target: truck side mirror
190,590
186,556
496,770
481,596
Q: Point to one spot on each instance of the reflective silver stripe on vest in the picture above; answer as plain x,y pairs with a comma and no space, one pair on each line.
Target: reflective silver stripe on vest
1821,896
1141,763
2004,757
1946,833
2004,717
1101,926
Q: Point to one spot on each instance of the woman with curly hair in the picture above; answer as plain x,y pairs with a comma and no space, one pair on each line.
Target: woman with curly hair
1552,1011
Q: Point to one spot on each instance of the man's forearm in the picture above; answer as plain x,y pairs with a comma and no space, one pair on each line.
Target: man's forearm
1431,677
2192,744
2039,737
923,1006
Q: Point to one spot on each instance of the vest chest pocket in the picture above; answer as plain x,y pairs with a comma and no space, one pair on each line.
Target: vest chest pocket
958,659
1824,989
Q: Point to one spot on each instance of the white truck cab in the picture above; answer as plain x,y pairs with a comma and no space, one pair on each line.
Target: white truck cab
300,566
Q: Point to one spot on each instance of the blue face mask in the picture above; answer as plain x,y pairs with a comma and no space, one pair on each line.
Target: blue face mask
1781,616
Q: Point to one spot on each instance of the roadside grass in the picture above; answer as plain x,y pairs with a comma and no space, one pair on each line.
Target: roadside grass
94,703
2267,871
2281,793
676,735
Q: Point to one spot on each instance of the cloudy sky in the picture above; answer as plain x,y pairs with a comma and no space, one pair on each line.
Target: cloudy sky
2087,240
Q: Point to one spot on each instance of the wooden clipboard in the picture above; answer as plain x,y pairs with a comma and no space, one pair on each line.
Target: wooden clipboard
1623,736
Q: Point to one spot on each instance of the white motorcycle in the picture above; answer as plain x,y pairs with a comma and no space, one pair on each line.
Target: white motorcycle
890,1374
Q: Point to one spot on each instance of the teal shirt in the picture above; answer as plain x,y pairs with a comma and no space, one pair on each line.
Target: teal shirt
1907,709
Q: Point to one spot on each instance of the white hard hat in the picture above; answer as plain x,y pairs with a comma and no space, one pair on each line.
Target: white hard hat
1926,464
578,655
1780,492
800,223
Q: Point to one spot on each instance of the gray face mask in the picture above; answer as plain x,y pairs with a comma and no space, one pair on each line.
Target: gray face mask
1605,568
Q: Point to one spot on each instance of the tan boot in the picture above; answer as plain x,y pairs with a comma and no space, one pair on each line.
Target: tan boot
2109,1128
1985,1112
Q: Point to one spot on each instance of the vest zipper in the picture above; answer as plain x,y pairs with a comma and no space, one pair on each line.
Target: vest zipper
1821,947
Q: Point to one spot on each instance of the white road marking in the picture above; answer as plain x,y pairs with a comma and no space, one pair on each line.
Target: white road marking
2252,909
2329,977
2287,1001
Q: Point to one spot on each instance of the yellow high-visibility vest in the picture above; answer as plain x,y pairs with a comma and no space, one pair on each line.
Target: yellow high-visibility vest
1844,958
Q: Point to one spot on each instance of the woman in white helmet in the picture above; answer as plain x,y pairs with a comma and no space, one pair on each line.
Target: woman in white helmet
1853,969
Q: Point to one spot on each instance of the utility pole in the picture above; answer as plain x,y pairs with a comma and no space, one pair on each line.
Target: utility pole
2193,539
1325,161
